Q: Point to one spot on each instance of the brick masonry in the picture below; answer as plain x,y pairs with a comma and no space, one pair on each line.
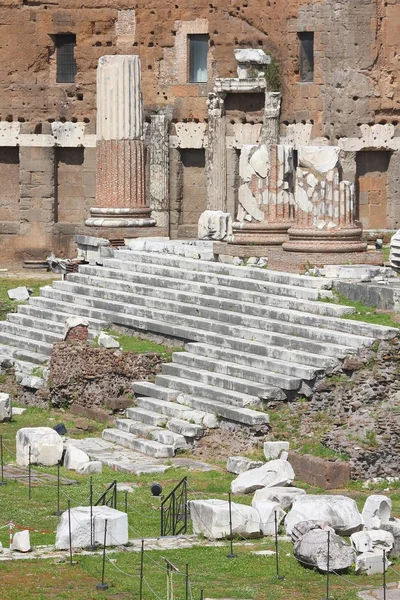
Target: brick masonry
353,101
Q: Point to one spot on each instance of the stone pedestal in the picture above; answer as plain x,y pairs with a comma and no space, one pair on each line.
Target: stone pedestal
216,153
325,219
266,202
120,152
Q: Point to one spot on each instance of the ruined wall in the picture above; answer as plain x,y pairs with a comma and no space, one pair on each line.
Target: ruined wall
353,101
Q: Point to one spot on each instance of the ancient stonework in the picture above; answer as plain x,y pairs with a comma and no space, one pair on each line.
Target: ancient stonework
120,151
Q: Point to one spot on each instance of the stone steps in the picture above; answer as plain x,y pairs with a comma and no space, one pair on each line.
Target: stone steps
226,367
158,434
239,414
256,361
221,297
129,440
327,342
252,335
336,331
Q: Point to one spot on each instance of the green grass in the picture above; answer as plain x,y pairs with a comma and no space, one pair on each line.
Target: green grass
139,345
363,312
7,305
318,449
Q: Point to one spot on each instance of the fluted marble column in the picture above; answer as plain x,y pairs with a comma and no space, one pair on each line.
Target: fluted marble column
216,154
325,217
120,151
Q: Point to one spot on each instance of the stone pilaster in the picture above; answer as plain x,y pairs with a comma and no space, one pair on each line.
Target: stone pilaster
266,201
272,110
159,169
120,151
325,216
216,154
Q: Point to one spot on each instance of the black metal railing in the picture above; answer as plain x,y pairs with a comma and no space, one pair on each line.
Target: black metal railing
109,498
174,510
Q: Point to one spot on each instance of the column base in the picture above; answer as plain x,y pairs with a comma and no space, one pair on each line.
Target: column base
120,217
259,234
314,240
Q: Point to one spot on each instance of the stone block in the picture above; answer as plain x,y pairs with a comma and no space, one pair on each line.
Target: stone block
339,512
318,158
20,293
214,225
273,473
21,541
267,511
377,510
312,550
74,458
273,449
284,496
117,527
240,464
5,407
372,541
393,526
316,471
107,341
90,468
371,563
211,519
45,443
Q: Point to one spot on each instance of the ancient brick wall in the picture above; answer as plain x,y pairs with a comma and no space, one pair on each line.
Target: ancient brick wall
353,100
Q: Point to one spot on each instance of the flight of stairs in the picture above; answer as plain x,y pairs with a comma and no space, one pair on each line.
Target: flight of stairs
253,335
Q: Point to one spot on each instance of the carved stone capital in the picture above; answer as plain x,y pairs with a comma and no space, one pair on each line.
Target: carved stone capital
272,105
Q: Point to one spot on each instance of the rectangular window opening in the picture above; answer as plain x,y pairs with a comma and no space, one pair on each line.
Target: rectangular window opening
306,56
66,64
198,51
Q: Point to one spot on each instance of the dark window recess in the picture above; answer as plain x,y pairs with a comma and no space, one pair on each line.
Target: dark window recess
66,65
198,51
306,56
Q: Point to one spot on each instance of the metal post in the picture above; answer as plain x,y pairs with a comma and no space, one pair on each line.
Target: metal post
141,571
384,575
276,548
201,594
126,502
231,554
102,585
2,482
187,583
58,512
69,533
29,473
92,544
328,566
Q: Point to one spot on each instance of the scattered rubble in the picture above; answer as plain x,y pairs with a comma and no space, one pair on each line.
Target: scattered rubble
311,550
274,473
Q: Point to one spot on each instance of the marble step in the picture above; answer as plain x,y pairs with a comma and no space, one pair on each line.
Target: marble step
148,447
322,343
169,409
214,279
195,388
226,367
158,434
246,359
215,297
201,266
225,382
50,300
149,417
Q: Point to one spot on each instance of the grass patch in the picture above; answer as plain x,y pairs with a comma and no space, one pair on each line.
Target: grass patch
7,305
138,345
318,449
363,312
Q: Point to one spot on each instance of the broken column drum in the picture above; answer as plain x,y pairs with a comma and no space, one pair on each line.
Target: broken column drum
265,196
325,206
120,151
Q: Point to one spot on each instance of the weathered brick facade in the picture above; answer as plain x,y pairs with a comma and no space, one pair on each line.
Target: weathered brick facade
48,185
